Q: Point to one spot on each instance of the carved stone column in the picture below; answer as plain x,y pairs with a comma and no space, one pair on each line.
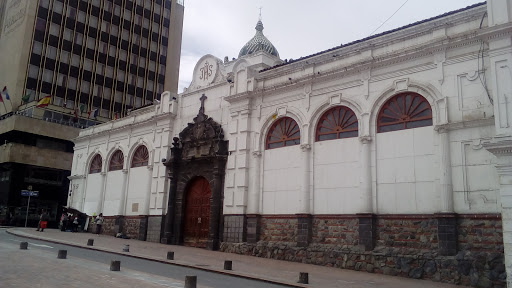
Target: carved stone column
213,242
173,165
253,207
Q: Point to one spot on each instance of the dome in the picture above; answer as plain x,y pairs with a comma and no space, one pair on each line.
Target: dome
258,43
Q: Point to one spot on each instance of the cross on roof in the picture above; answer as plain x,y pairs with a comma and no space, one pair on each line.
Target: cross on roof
203,98
260,12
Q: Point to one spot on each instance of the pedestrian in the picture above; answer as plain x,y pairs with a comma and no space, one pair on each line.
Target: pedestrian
75,224
99,223
43,221
64,222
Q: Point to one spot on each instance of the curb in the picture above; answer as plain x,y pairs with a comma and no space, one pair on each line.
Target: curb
143,257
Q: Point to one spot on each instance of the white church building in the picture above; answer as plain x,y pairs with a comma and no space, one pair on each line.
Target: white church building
391,154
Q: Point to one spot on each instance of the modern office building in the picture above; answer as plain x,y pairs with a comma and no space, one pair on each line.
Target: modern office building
93,60
87,55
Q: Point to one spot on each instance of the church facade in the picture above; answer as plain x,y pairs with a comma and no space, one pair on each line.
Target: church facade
390,154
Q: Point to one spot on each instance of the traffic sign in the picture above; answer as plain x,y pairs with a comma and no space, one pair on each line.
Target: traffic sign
29,193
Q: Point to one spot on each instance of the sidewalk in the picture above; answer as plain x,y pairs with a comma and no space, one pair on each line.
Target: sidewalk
275,271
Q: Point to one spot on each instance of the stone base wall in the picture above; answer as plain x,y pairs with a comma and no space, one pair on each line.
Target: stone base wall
406,245
279,228
340,231
154,228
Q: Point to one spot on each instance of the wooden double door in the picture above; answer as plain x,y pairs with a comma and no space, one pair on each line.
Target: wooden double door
197,213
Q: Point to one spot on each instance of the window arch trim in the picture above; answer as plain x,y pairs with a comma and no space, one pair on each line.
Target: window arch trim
404,111
96,164
284,132
338,122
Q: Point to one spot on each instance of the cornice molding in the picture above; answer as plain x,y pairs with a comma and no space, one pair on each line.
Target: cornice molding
499,148
131,125
443,128
75,177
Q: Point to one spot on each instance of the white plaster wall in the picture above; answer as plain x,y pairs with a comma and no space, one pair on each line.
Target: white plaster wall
406,172
93,193
281,180
113,192
137,190
336,176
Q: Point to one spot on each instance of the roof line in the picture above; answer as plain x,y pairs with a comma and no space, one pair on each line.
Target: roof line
377,35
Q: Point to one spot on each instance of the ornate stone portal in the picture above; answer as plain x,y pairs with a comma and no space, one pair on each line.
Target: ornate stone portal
200,151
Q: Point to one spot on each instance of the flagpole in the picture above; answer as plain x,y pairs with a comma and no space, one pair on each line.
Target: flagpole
3,102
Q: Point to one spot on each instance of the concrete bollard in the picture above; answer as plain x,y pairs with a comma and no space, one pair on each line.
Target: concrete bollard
228,265
62,254
303,278
115,265
23,245
126,248
170,255
90,242
190,281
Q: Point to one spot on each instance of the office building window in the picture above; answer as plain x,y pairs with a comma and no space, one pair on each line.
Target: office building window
71,12
106,94
37,48
64,56
40,24
44,3
81,16
51,52
57,7
32,71
72,83
93,21
54,29
68,34
47,75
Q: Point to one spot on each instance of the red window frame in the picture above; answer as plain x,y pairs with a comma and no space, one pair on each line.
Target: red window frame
284,132
404,111
337,123
116,161
140,157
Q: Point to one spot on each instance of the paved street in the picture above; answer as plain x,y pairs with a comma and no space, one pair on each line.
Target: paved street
282,272
39,267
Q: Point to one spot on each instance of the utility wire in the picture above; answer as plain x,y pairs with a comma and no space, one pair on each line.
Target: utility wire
389,17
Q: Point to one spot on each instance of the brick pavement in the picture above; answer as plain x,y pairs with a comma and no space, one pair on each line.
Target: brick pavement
282,272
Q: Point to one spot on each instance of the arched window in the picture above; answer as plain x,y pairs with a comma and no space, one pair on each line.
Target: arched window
337,123
404,111
284,132
96,164
117,161
140,157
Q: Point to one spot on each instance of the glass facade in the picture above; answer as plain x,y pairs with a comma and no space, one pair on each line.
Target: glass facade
108,55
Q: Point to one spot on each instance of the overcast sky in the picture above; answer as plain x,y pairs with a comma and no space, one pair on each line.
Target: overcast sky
296,27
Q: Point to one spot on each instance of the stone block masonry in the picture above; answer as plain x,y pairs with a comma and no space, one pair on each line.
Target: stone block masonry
405,245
